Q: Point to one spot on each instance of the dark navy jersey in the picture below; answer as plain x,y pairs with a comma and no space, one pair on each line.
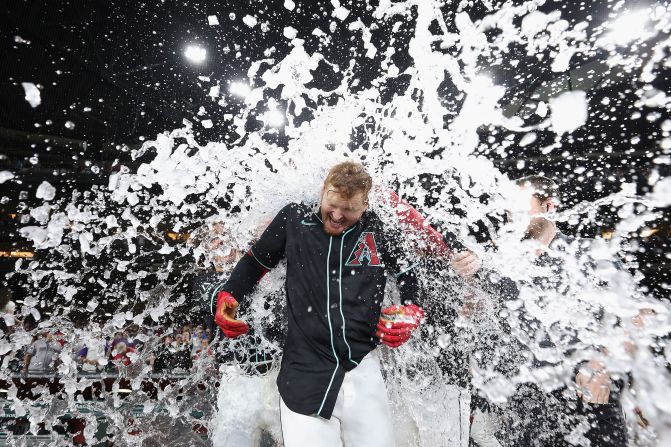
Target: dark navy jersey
334,288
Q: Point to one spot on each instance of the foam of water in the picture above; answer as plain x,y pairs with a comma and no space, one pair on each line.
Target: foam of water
399,136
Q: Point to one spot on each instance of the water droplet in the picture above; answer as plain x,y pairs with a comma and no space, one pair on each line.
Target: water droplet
444,341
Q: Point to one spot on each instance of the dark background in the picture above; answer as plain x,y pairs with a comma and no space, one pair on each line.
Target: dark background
116,70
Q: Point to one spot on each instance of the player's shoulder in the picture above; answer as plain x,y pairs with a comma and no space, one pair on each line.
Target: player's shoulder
297,208
370,219
371,222
297,211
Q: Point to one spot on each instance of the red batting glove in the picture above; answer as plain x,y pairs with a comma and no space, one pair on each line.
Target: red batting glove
225,316
397,323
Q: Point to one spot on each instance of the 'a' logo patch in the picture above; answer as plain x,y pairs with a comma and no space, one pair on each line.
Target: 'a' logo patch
365,252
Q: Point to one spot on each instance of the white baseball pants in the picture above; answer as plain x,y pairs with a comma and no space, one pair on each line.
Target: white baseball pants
361,417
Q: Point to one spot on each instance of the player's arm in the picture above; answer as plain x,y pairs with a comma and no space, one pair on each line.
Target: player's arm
410,218
264,255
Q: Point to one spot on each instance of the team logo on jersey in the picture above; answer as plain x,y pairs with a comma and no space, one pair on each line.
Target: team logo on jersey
365,252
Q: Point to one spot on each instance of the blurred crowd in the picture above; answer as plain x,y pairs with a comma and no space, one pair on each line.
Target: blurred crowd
160,349
35,345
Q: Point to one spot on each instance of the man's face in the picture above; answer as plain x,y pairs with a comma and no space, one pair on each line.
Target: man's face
528,213
339,213
537,210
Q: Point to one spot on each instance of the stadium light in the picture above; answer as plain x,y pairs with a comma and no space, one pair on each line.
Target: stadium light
195,54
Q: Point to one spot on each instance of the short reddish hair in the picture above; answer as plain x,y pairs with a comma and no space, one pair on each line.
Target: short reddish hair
349,178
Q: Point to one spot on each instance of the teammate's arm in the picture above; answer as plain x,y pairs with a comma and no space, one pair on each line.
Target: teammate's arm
410,218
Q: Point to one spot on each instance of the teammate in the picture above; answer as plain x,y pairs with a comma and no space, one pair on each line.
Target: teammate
247,403
546,417
338,260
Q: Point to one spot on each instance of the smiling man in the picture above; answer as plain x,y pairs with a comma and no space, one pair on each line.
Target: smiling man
338,260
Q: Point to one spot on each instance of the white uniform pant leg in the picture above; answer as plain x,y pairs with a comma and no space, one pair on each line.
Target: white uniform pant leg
434,414
483,428
246,405
361,417
299,430
365,413
442,416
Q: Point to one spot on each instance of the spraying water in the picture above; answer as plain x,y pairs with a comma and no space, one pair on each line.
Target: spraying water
435,122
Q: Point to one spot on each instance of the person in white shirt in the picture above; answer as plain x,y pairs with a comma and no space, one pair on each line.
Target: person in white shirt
42,355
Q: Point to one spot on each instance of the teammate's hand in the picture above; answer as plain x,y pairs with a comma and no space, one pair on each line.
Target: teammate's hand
397,323
225,316
594,383
466,264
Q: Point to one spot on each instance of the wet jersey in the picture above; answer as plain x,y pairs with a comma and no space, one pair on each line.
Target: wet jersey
334,288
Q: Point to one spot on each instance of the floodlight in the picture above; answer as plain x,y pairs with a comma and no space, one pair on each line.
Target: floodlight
195,54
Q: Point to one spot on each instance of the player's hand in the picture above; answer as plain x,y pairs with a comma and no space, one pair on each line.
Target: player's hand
225,316
397,323
594,383
466,264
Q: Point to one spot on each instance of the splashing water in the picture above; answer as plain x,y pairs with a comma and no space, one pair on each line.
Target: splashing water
176,182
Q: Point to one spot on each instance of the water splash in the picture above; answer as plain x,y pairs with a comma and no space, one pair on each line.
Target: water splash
175,182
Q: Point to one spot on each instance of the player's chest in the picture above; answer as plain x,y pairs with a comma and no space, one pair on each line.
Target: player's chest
357,251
